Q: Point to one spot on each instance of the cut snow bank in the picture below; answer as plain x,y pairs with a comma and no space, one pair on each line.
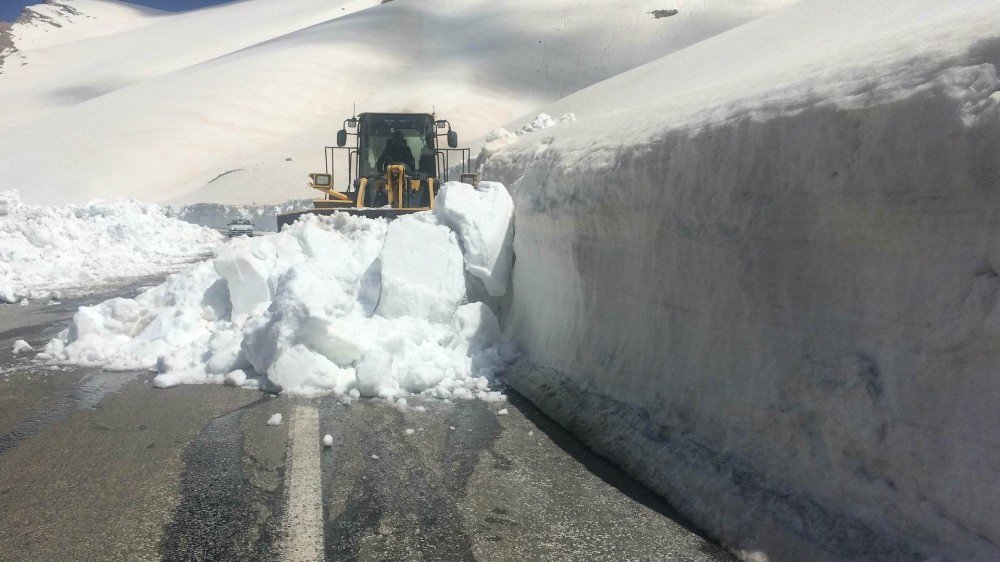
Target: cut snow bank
761,274
45,251
339,304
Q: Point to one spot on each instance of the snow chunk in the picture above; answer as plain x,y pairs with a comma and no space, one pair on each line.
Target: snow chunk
502,412
328,441
483,218
408,431
541,121
21,346
274,420
235,378
496,140
544,121
421,270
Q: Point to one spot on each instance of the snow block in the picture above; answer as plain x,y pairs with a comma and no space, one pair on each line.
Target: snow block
483,218
421,270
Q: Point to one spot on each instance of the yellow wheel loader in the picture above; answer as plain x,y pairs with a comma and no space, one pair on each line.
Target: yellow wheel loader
394,166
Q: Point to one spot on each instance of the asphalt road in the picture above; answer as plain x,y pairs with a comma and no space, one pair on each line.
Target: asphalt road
101,466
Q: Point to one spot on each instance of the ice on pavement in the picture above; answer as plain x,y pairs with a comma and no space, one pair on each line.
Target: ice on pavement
21,346
342,304
274,420
45,251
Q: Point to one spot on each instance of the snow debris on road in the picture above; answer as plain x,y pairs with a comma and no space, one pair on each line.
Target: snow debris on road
45,251
21,346
274,420
502,412
328,440
342,304
409,431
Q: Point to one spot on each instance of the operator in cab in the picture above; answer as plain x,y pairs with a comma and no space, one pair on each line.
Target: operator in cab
396,151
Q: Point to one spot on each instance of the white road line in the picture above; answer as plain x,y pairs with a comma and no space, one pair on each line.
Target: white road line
303,524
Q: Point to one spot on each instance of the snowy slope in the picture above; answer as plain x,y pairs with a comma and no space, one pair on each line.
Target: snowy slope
92,55
55,23
245,87
764,280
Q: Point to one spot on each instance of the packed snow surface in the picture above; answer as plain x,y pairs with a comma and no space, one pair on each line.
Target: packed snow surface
234,103
46,251
339,304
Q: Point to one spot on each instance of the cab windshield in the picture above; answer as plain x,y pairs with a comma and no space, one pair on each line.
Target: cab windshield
397,139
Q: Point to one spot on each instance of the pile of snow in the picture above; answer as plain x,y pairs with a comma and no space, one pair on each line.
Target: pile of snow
340,304
544,121
234,103
500,137
760,273
45,251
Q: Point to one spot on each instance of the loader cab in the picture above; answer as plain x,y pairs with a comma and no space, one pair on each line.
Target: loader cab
395,164
386,138
411,139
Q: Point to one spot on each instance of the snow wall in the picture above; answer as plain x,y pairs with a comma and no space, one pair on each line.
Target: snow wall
787,323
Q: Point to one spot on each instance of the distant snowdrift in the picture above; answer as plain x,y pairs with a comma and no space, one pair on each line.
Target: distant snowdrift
161,111
765,280
218,216
49,251
341,305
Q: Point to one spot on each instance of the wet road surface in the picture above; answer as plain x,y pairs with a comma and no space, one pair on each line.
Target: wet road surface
101,466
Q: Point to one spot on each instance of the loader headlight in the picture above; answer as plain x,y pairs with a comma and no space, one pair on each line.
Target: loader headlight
321,180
